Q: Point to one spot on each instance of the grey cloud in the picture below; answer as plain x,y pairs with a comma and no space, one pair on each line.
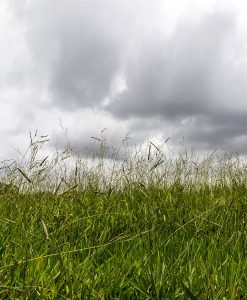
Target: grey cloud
91,72
191,76
79,45
72,41
223,129
105,143
173,78
192,83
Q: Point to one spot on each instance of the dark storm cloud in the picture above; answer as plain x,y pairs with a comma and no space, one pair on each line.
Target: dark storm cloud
190,80
223,129
79,46
174,77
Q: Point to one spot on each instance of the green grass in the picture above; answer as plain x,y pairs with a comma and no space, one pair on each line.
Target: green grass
142,232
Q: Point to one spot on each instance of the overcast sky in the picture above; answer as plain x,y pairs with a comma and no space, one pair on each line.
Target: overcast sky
156,69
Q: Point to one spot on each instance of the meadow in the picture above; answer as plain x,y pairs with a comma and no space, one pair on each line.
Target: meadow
146,225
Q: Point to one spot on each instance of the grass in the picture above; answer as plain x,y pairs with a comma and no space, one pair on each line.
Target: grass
147,229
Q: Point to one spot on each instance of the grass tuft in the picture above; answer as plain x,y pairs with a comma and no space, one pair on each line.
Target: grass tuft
139,224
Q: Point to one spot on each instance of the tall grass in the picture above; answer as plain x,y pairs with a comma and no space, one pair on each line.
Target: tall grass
135,224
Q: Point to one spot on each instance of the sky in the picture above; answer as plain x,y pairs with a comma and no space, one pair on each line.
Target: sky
146,69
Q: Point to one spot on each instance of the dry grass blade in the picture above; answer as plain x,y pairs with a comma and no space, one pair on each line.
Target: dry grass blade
97,139
69,190
58,187
24,175
43,161
149,152
45,229
156,165
155,146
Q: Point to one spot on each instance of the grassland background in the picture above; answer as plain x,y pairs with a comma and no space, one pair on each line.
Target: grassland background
146,226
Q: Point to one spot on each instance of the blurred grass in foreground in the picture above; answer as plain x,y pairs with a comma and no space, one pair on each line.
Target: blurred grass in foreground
146,226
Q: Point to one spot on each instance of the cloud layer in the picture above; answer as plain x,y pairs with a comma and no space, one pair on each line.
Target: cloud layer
155,69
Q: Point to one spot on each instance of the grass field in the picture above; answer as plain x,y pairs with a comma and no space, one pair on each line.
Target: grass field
153,227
